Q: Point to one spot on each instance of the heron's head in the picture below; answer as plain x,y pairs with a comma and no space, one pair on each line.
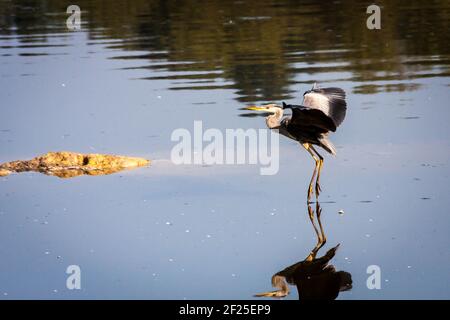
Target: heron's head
268,108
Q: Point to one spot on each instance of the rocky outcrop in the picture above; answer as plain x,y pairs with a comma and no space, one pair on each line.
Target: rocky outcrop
70,164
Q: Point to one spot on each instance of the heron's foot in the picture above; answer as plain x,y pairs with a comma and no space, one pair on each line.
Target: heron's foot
318,189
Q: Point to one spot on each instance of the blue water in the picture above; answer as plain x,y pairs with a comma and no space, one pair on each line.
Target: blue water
219,232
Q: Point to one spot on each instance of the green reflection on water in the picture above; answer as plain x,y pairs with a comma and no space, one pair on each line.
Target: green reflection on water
257,48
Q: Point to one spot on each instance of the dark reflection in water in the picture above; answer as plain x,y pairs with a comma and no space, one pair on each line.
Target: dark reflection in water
257,48
315,278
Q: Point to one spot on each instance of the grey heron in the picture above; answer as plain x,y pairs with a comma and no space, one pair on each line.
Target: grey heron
315,278
322,111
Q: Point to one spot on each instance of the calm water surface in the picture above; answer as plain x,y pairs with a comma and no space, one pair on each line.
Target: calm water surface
137,70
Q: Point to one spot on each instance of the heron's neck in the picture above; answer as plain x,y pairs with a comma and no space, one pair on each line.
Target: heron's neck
273,121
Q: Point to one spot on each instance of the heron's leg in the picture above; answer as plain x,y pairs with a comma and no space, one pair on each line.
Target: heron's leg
308,147
318,188
323,236
314,251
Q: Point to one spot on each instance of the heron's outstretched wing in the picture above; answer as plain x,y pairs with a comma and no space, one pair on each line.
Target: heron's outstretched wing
306,119
331,101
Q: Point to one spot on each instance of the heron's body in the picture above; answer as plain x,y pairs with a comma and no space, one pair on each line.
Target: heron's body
315,278
322,111
302,133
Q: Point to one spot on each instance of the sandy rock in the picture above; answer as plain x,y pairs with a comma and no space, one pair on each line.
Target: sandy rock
69,164
4,172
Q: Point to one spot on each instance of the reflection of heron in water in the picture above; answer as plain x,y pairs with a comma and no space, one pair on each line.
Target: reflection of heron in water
322,111
314,277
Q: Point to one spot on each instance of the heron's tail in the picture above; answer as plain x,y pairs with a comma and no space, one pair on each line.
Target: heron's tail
327,145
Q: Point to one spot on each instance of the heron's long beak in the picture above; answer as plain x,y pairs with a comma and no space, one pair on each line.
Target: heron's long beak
256,108
273,294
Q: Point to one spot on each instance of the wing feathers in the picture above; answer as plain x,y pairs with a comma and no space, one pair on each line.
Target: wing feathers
310,119
331,101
